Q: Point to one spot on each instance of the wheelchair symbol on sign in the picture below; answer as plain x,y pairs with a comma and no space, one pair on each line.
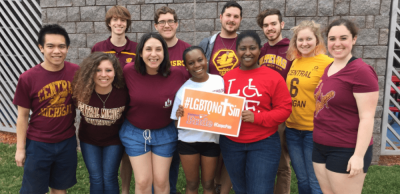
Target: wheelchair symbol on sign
250,87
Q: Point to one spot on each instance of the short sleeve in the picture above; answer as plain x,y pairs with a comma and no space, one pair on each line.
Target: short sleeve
177,102
22,94
94,48
365,80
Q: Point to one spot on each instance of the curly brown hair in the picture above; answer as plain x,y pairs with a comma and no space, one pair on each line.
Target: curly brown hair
83,83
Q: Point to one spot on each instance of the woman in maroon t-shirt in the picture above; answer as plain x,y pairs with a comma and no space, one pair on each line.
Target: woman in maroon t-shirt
99,93
148,134
346,99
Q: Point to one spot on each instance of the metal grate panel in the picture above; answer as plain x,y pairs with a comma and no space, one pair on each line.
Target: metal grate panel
20,22
390,144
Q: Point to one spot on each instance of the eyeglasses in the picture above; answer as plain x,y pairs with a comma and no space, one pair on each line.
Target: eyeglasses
163,22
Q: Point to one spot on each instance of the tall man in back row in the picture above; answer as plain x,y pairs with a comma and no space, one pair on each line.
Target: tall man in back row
118,22
273,55
220,48
166,23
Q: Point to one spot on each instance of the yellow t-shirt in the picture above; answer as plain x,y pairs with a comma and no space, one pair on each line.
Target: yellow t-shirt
301,81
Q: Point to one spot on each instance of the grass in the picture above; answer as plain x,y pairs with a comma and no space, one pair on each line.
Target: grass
380,179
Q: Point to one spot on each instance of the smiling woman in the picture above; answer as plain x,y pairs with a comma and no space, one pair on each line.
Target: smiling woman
148,134
252,159
308,50
99,93
343,132
197,149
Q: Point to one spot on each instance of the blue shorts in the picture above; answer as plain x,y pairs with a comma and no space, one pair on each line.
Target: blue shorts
161,142
49,165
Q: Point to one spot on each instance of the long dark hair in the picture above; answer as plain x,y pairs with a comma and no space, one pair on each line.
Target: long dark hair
140,66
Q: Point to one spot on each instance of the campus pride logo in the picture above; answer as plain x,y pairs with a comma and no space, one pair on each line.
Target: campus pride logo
211,112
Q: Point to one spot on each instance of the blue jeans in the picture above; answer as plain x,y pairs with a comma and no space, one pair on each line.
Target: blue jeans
300,146
252,167
102,163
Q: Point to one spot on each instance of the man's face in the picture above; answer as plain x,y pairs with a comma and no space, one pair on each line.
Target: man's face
272,27
230,19
118,25
54,49
166,26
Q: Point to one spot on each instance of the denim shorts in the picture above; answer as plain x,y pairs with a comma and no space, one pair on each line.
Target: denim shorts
161,142
49,165
336,158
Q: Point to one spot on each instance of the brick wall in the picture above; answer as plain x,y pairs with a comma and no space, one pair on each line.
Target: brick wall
84,21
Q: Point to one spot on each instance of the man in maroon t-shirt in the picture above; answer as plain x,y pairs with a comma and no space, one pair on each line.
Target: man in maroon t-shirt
273,55
118,21
46,144
220,48
166,23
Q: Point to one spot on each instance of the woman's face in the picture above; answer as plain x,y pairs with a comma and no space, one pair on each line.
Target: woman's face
196,64
306,42
152,54
340,42
248,52
104,76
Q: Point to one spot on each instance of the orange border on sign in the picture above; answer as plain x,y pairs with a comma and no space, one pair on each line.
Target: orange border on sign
211,112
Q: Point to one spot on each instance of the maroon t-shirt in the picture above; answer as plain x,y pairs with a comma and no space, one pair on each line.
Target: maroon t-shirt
223,57
175,56
49,96
99,126
274,57
151,97
125,54
336,116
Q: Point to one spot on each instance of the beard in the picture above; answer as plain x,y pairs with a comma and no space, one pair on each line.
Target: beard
230,31
278,34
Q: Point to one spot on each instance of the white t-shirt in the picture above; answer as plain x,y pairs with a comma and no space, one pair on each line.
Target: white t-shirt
215,83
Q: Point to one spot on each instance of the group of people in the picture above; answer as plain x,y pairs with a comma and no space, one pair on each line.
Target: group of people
305,107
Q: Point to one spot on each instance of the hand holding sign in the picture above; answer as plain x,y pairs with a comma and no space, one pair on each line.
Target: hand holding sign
211,112
179,112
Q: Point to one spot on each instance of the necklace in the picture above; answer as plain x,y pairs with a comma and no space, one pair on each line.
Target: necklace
230,48
104,102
